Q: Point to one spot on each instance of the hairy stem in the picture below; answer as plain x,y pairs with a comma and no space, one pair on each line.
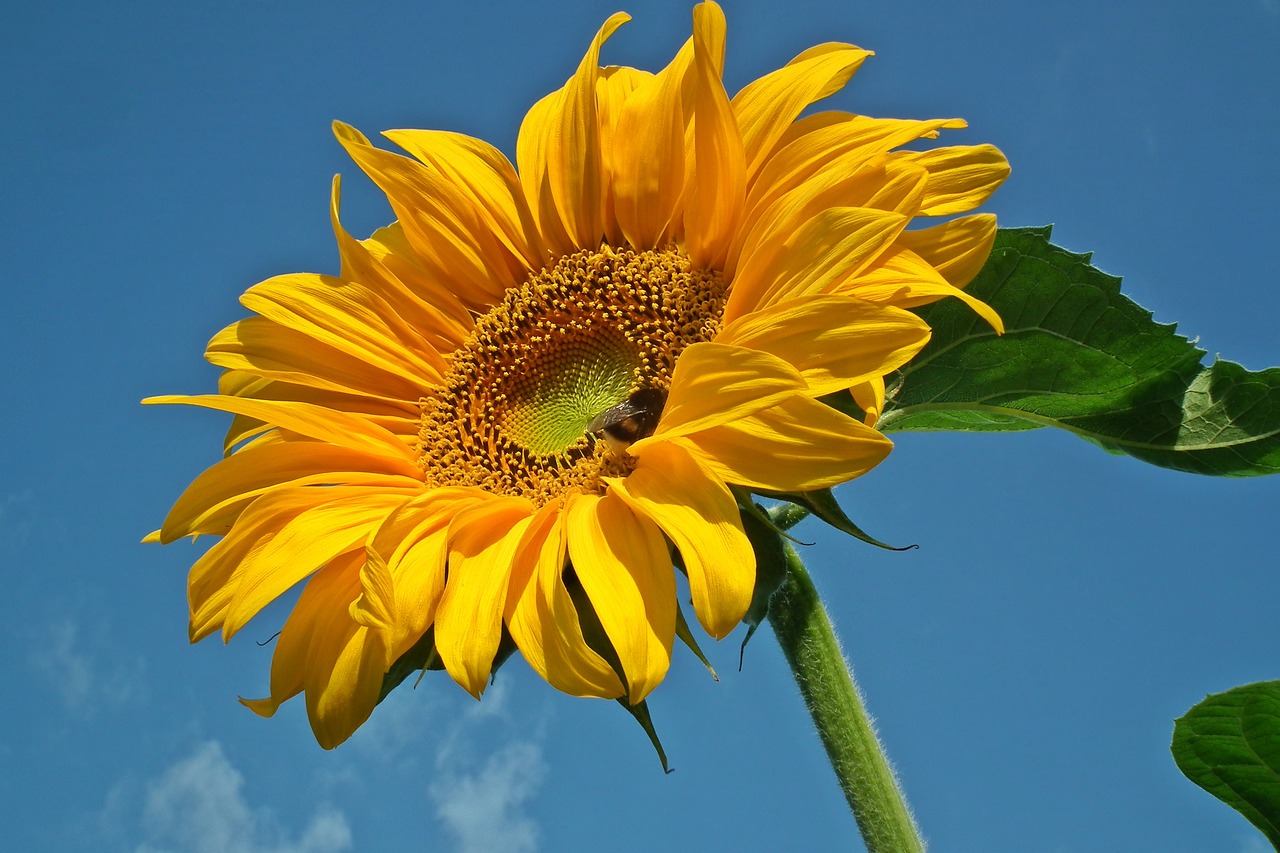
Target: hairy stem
826,683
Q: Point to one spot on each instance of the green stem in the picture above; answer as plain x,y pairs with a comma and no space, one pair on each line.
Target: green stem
826,683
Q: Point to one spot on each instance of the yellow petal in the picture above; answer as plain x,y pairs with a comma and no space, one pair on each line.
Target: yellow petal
539,559
392,416
215,498
339,663
816,142
351,318
700,516
558,152
482,543
572,666
957,249
798,445
375,606
960,177
714,383
447,232
212,582
340,428
881,184
433,311
289,662
870,398
613,87
448,319
833,246
801,129
543,542
209,587
532,144
834,341
484,174
307,542
717,188
625,569
573,151
264,348
649,156
413,543
543,619
902,278
768,106
346,668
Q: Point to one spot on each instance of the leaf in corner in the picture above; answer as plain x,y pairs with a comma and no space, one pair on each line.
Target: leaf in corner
1229,744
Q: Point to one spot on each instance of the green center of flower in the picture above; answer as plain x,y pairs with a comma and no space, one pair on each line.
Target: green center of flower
579,373
575,340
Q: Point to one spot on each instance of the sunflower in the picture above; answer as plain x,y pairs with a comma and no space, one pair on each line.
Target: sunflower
518,411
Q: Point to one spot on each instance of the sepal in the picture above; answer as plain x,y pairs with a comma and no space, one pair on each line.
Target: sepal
640,711
771,569
822,503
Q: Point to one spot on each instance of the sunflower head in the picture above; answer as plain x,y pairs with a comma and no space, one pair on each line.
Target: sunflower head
522,409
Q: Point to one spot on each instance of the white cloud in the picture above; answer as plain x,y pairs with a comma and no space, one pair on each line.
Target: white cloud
493,706
485,764
79,680
482,803
196,806
484,809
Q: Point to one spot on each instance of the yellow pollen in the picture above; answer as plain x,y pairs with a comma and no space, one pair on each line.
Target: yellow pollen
574,340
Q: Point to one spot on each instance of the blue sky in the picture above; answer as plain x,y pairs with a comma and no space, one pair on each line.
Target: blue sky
1024,665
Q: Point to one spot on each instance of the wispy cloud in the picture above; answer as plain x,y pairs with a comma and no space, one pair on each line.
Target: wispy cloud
484,809
81,681
197,806
482,802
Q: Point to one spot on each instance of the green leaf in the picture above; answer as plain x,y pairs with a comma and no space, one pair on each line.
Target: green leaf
1079,355
771,571
1229,745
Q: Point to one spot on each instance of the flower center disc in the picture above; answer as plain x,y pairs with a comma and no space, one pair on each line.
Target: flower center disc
561,387
574,340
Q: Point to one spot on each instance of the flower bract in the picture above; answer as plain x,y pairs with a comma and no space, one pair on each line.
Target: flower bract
516,413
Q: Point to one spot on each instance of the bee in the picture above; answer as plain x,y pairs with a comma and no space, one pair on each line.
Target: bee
631,420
